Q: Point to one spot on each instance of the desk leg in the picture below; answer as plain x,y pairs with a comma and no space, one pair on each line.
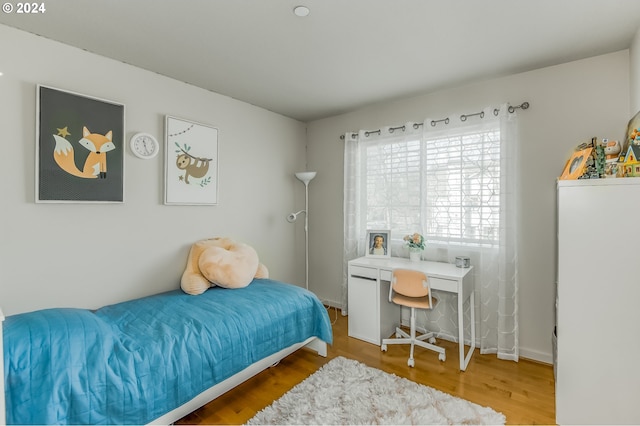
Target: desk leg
461,332
464,360
472,306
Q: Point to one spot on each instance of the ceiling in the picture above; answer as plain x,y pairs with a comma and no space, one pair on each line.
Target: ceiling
346,53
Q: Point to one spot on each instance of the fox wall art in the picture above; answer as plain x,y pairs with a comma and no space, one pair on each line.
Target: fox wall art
79,149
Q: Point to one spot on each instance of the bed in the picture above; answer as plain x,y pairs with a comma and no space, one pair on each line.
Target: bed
154,359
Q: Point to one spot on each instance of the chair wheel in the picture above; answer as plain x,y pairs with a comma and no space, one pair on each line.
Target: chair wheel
411,362
432,340
442,357
383,348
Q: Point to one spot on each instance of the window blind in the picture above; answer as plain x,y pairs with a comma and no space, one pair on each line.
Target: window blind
446,187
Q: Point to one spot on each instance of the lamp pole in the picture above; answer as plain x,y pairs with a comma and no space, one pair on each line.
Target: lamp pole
305,177
306,233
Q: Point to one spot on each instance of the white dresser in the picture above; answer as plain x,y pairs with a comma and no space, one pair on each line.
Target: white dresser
598,313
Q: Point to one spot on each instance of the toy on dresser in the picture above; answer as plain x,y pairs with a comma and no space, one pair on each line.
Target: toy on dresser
594,167
611,150
604,159
607,158
629,160
630,157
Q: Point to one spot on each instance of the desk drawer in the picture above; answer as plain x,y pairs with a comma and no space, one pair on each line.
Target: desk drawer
364,272
443,284
385,275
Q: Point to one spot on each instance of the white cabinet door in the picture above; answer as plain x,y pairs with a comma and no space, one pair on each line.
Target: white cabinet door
390,313
364,323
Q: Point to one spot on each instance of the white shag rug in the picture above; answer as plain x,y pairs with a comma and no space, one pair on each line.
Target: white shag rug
347,392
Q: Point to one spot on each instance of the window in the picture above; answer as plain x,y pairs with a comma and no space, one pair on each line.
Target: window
455,182
448,186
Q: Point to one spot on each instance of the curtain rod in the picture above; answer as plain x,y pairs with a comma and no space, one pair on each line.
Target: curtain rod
463,117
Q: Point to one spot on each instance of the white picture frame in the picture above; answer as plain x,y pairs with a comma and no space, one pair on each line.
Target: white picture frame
374,247
191,163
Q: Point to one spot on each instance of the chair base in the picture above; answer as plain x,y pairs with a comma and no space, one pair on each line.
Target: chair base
404,338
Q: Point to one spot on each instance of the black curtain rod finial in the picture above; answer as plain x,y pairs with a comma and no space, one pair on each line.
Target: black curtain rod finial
524,105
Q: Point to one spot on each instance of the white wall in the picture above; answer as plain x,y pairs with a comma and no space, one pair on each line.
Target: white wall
570,103
106,253
92,254
634,59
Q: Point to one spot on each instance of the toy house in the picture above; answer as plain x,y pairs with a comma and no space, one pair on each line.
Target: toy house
631,162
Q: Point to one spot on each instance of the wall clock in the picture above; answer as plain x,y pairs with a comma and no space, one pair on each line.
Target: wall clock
144,146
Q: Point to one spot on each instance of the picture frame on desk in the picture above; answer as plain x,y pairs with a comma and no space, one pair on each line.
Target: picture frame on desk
378,243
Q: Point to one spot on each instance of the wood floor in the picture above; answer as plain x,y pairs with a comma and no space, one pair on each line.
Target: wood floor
522,391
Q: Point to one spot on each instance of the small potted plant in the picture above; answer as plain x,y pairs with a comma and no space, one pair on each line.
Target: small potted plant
415,243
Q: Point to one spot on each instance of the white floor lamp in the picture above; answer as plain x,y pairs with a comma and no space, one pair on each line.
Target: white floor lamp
304,177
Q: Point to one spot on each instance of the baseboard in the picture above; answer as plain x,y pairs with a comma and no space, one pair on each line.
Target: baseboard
533,355
537,356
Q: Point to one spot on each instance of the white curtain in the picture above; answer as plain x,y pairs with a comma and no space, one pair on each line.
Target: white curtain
489,242
353,222
355,181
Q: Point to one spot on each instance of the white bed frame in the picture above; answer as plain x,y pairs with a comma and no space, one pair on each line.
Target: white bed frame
208,395
238,378
3,411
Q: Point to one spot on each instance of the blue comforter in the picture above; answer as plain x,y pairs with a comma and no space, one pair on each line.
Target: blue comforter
132,362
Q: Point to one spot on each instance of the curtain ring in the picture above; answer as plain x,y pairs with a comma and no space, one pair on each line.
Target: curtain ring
393,129
464,117
434,122
496,111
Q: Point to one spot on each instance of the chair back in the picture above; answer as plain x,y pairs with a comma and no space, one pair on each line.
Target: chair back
410,283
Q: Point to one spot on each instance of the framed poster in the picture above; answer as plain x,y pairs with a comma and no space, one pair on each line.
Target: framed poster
191,169
378,243
79,148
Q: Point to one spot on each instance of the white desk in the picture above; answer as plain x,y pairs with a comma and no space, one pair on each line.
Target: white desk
373,318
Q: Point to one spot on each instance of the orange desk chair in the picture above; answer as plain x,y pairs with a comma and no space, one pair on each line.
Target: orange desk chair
411,289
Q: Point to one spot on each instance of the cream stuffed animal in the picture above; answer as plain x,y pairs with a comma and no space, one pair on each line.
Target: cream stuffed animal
222,262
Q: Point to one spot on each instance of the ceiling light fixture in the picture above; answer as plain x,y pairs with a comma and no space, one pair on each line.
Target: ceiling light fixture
301,11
